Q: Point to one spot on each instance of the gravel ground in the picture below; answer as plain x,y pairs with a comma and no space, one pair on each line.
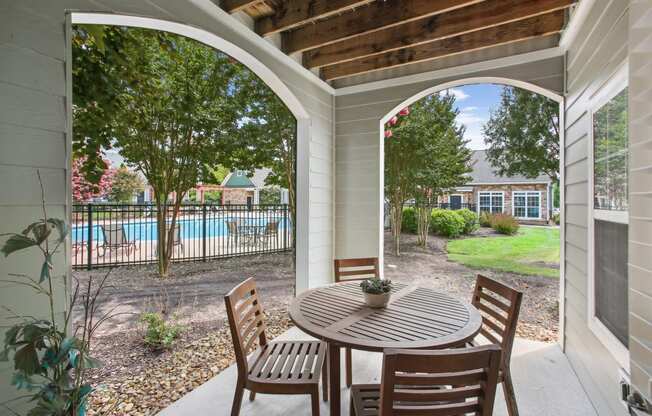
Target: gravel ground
137,381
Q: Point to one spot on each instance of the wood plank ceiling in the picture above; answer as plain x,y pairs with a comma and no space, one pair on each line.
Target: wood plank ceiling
343,38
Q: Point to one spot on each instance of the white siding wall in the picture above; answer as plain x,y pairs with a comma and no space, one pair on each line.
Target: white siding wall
33,122
640,234
358,177
599,48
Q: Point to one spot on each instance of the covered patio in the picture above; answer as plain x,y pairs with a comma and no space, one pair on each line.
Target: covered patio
344,68
545,384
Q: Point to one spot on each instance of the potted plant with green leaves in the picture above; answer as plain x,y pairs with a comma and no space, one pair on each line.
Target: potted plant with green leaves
50,354
376,292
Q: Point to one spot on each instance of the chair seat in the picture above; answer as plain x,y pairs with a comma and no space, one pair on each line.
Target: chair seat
290,363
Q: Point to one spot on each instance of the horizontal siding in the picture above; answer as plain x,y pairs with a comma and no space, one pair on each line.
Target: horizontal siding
358,151
600,47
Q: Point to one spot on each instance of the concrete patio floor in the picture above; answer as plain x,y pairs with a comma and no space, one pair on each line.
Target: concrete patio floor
544,381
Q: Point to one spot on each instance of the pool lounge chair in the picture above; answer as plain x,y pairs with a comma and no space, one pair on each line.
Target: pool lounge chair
114,239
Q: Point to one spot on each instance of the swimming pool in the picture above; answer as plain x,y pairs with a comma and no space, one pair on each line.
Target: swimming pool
190,228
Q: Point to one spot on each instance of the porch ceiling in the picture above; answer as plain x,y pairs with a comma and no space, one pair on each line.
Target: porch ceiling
344,38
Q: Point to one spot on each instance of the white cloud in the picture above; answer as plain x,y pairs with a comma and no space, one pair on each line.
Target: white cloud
473,123
459,94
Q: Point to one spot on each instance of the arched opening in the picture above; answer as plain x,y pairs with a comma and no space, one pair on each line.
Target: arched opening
251,228
456,199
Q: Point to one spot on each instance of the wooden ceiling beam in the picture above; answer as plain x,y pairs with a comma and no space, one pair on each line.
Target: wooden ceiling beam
538,26
294,13
232,6
375,16
453,23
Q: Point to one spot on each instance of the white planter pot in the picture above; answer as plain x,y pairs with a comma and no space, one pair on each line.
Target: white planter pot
377,301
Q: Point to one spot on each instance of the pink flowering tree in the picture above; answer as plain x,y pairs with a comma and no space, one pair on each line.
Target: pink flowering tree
82,189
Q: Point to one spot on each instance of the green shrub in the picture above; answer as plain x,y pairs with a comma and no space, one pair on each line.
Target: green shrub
485,219
470,220
447,223
556,218
409,223
159,334
504,224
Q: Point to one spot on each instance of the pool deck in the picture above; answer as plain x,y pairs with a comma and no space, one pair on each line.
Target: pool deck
544,381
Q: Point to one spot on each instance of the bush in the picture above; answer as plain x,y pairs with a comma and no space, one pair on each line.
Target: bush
159,334
556,218
447,223
470,220
485,219
504,224
409,222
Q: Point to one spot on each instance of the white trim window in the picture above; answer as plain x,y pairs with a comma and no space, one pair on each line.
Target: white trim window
526,205
609,217
493,202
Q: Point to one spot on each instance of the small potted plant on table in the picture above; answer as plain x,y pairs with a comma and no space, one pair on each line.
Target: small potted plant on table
376,292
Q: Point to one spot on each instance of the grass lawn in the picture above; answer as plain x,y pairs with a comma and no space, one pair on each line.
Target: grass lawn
533,251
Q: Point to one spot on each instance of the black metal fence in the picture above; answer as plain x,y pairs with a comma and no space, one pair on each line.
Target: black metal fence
126,234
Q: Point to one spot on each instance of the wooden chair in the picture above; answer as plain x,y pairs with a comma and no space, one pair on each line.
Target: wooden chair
284,367
499,305
354,269
439,382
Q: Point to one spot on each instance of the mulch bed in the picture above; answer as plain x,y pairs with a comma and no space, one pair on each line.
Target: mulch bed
135,380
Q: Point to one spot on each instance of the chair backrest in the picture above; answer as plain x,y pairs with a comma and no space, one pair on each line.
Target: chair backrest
114,234
356,269
232,227
246,321
271,228
499,306
442,383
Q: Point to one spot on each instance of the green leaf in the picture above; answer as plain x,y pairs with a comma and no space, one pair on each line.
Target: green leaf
26,360
90,362
61,227
45,269
17,242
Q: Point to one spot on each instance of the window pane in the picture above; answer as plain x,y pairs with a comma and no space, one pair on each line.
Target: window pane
533,212
519,200
497,200
611,302
497,209
519,212
610,154
485,200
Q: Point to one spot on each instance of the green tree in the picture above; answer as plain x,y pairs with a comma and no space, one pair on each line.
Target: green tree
167,102
215,174
125,185
522,135
425,154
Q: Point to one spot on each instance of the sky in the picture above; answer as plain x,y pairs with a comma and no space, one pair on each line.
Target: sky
475,103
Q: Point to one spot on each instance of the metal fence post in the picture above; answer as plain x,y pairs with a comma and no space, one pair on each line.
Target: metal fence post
203,232
89,242
286,227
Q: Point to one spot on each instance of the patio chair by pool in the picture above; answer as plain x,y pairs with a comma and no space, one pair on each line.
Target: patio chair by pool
442,383
354,269
114,239
300,363
499,305
270,233
233,231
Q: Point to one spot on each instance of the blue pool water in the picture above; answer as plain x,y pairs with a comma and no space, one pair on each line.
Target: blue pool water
189,228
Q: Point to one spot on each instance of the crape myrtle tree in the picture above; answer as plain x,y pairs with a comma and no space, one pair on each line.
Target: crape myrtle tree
168,103
84,190
522,135
425,154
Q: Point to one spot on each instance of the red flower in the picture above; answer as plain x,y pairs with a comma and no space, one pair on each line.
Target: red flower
388,134
393,121
404,112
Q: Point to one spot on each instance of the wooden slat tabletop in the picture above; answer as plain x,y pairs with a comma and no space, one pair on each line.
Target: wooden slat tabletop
416,317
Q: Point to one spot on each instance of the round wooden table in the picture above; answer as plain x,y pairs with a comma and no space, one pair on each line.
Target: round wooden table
416,318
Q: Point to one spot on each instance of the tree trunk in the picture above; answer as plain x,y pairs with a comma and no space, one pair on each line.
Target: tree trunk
396,210
423,224
162,238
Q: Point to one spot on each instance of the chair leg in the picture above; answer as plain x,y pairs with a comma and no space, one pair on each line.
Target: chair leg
349,367
237,399
252,396
510,396
314,401
324,379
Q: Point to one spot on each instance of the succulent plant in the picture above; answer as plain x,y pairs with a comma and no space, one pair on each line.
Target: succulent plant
376,286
